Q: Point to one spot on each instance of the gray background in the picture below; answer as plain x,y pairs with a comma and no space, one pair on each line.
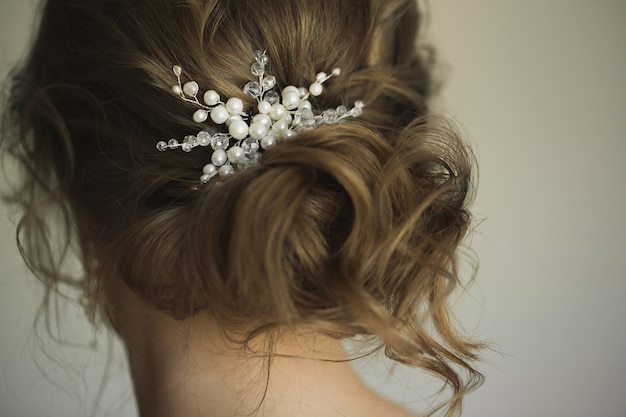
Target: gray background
539,89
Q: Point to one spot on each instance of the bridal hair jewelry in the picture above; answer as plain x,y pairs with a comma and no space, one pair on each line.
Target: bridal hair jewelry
278,117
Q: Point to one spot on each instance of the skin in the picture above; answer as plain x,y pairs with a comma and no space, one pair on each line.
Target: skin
187,368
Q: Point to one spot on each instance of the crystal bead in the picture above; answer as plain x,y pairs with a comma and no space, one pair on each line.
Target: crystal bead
271,97
161,146
341,110
220,141
329,116
257,69
307,114
187,147
172,143
244,163
257,53
269,82
356,111
204,138
264,59
252,89
249,145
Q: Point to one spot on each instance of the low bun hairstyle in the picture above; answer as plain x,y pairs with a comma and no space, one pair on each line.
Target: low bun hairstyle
352,227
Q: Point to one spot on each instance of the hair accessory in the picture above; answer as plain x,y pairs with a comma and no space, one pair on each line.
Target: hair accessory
278,117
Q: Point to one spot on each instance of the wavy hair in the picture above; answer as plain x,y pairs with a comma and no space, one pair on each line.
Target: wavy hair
353,227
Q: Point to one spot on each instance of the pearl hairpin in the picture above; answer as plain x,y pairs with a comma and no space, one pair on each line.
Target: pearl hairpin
278,117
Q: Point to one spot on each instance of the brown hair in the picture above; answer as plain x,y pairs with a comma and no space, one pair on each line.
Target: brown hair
354,226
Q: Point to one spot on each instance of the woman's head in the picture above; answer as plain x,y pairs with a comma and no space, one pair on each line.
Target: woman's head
352,227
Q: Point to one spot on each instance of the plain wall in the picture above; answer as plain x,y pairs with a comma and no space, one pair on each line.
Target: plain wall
539,88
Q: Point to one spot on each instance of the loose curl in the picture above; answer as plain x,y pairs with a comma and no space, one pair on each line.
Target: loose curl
354,227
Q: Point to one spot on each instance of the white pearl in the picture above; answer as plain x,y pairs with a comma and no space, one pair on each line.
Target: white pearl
219,158
235,154
278,111
211,97
262,118
209,169
238,129
264,107
258,130
191,88
280,126
178,70
219,114
288,89
316,89
291,99
336,71
232,118
226,170
303,92
268,142
305,104
288,134
200,116
321,76
234,105
176,89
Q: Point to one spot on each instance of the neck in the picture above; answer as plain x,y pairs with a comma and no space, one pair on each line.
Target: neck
188,368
